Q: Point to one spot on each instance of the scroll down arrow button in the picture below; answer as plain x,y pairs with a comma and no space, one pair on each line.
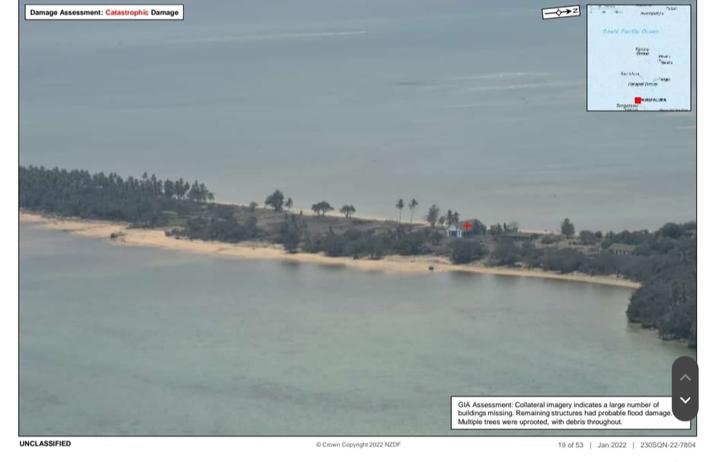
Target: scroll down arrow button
685,388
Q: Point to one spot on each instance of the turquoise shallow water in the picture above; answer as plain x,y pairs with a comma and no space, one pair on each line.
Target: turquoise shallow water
127,341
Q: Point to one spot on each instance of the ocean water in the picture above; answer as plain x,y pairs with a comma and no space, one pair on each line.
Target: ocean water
475,106
138,341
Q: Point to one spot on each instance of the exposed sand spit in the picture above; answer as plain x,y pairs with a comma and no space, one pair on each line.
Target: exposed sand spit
268,251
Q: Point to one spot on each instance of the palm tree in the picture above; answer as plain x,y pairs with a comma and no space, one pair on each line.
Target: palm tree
400,205
411,206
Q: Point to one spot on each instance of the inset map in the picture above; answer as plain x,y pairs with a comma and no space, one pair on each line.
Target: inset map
639,58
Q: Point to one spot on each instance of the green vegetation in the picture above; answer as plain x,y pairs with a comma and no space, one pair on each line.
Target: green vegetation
373,244
452,218
412,206
226,228
275,200
477,228
432,215
400,205
144,201
663,261
506,253
466,251
567,228
347,210
589,237
322,207
291,233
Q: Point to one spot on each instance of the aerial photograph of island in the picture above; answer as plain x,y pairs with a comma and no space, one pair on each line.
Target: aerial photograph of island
326,218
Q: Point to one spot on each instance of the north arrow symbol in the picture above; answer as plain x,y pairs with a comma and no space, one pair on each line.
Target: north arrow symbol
685,400
685,377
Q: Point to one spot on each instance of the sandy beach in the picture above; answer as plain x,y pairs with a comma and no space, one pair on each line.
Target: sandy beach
268,251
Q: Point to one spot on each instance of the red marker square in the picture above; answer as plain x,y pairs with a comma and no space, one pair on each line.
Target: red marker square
638,100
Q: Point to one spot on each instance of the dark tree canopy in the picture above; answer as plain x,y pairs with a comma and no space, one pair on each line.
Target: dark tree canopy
433,215
322,207
567,228
347,210
276,200
79,193
466,251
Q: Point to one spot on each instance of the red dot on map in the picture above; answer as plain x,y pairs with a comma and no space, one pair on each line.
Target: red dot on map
638,100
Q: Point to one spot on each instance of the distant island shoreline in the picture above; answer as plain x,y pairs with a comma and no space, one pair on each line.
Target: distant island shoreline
265,250
660,265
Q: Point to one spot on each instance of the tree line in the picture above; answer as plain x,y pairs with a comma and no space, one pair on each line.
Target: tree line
664,261
145,200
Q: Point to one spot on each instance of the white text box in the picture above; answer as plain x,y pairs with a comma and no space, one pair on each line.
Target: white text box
104,12
564,413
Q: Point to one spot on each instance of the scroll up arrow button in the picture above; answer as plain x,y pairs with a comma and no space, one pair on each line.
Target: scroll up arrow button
685,380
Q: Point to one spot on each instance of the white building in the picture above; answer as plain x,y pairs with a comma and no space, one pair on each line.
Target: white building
453,231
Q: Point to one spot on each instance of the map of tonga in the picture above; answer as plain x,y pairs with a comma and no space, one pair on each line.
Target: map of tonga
639,57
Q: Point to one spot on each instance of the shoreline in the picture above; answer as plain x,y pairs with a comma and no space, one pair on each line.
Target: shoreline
258,250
